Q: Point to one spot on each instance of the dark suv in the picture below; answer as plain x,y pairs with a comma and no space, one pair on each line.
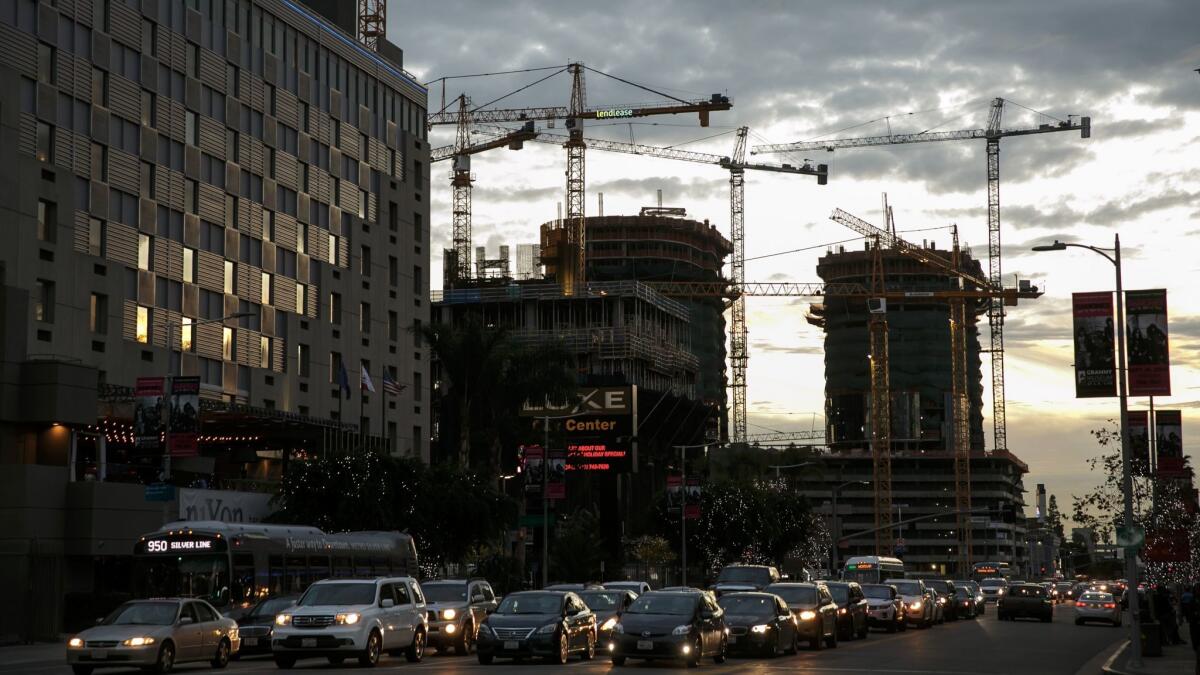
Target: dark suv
852,609
947,593
456,607
734,578
814,609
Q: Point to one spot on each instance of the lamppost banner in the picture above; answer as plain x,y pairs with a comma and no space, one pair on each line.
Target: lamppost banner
1095,372
533,461
1139,441
556,479
1146,329
148,411
691,499
185,416
1169,431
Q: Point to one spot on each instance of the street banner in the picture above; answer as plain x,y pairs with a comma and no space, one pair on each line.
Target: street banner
148,412
1167,546
691,504
556,479
1169,438
533,467
1139,442
1146,330
674,493
184,422
1095,373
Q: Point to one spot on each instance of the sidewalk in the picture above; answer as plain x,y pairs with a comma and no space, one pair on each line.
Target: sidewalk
40,652
1176,660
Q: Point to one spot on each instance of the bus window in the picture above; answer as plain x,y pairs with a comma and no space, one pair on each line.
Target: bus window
380,565
342,568
241,587
318,568
362,567
275,573
297,574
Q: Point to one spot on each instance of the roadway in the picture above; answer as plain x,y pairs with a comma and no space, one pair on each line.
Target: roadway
982,646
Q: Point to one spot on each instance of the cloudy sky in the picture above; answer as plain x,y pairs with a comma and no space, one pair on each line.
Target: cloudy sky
803,70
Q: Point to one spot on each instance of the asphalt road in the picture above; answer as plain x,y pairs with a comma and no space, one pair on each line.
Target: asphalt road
982,646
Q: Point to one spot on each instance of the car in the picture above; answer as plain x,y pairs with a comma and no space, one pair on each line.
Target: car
638,587
939,608
946,596
980,605
885,607
589,586
917,610
964,603
455,609
1093,606
759,623
993,588
1078,589
691,589
852,609
155,634
1064,590
549,624
256,626
607,605
670,625
353,618
1025,600
739,577
814,609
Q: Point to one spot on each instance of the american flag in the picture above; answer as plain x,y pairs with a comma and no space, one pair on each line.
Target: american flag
390,386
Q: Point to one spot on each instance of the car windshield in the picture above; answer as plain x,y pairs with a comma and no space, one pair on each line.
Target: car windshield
841,594
750,605
963,592
673,604
993,583
756,575
273,606
795,595
445,592
878,592
1028,592
599,600
938,585
338,594
143,614
907,587
531,603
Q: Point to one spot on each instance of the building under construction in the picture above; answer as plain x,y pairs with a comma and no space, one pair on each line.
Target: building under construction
923,475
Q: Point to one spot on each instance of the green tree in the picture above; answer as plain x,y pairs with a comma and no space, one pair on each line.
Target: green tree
577,548
1054,518
650,550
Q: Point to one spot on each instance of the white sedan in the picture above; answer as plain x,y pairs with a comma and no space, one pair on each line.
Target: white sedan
1096,606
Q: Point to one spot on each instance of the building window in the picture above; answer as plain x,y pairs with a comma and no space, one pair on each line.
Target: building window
189,265
46,63
302,358
301,237
47,220
335,362
269,226
301,296
191,133
264,352
335,308
365,262
362,203
98,314
333,246
418,277
417,226
43,304
417,441
144,251
185,334
393,270
142,330
393,325
230,275
266,288
418,334
417,386
45,142
227,343
364,318
96,237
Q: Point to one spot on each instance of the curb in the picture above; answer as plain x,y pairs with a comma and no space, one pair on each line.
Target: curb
1109,668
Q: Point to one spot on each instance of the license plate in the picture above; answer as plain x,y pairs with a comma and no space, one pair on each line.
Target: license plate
511,645
732,639
308,642
645,645
249,642
100,654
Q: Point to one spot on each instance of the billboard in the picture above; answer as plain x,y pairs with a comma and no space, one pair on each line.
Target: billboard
1146,330
597,430
1168,426
1095,372
674,493
1139,442
148,411
532,462
184,422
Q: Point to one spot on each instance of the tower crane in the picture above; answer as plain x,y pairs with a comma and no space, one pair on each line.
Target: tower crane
991,135
736,165
575,113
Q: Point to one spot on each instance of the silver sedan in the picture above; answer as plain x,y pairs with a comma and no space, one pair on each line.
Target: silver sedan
1095,606
155,634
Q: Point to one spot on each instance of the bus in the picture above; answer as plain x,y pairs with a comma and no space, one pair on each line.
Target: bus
873,569
990,570
234,565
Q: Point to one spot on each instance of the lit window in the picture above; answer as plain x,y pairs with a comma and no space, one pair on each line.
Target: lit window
301,237
46,220
185,334
227,343
229,276
98,314
300,293
264,346
333,244
142,332
189,265
266,288
144,251
43,306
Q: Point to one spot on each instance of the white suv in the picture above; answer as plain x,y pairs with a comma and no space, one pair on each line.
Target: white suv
360,618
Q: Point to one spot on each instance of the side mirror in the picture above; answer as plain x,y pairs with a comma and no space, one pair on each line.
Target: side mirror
99,620
185,620
387,602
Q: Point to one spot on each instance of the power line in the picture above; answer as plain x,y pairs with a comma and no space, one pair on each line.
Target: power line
806,248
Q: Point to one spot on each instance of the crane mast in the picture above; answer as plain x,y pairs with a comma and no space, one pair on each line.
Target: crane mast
739,353
881,407
575,225
460,182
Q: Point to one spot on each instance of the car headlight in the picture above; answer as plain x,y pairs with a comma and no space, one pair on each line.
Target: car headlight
682,630
618,629
841,610
75,642
608,625
1000,591
283,619
979,598
760,628
941,601
138,641
548,628
916,605
347,619
449,614
808,615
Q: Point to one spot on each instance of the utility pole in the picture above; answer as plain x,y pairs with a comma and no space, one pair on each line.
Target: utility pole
683,508
545,484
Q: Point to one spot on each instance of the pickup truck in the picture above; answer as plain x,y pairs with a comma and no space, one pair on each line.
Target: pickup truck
1025,600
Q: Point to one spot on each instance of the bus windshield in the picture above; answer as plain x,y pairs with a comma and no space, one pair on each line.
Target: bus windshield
191,576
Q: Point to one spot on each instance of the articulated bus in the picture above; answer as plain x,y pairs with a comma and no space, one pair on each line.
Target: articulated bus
233,565
873,569
990,570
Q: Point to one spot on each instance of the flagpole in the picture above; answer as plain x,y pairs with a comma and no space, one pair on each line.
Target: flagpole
383,415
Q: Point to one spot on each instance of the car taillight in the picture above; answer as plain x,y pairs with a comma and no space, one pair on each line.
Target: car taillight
1110,605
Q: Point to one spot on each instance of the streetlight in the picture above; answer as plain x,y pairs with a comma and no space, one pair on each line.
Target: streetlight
179,372
837,522
683,507
1135,635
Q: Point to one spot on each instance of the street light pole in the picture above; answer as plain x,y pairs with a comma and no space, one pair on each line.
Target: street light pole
1131,571
683,509
545,485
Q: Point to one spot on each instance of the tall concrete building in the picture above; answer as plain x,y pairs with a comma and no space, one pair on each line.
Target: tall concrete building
169,164
529,261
